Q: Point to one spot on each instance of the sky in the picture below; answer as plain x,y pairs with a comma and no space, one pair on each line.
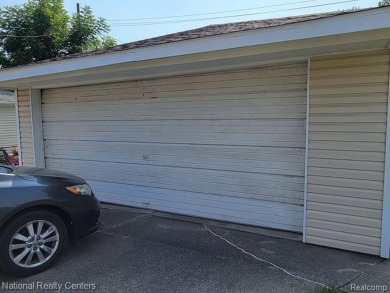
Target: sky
133,20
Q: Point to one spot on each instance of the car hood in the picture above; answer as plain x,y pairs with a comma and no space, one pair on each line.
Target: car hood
30,173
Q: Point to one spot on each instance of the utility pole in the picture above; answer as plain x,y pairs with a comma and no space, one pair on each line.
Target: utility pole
78,8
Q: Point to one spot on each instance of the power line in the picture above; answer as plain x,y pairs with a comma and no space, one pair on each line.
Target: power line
231,16
208,13
199,19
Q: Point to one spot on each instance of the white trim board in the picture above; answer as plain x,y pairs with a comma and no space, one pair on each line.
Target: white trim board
385,237
306,150
37,130
342,24
18,127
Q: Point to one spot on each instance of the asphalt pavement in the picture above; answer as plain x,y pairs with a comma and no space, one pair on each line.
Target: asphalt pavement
136,251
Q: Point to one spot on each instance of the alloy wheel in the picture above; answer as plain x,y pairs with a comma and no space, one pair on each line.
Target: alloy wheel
34,244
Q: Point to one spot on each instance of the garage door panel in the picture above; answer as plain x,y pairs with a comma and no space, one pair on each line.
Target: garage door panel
171,102
201,199
154,92
264,166
228,149
180,114
242,74
203,181
277,122
112,149
292,83
266,75
177,126
140,103
192,158
183,137
169,97
266,214
206,175
266,169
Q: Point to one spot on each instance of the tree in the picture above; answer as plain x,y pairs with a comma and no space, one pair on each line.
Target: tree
384,3
42,29
85,33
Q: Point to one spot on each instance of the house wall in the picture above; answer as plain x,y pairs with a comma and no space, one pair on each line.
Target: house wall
348,101
25,128
346,150
8,130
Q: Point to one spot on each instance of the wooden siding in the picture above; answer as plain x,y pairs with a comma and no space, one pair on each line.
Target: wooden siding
8,129
224,145
25,127
347,134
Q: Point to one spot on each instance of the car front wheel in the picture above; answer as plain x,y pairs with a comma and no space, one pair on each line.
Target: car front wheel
32,243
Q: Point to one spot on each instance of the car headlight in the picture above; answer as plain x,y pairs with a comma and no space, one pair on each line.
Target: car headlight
82,189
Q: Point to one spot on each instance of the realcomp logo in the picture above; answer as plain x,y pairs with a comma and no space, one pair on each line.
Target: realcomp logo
368,288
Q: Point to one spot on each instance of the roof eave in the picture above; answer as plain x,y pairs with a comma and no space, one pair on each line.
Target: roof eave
362,21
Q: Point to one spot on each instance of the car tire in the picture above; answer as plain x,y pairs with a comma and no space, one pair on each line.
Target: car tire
32,243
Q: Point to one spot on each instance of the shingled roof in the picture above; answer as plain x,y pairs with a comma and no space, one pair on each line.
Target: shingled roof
207,31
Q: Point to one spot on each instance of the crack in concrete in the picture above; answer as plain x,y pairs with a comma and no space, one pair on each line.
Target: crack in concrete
263,260
358,276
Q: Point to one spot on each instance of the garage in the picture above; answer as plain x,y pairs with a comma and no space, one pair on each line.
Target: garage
279,123
223,145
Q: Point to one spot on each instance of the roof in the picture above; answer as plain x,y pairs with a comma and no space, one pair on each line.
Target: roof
7,97
214,47
207,31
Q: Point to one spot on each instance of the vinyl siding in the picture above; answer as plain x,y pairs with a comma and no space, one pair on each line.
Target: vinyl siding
225,145
8,131
25,127
347,134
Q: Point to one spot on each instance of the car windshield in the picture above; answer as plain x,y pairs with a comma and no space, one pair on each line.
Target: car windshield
5,170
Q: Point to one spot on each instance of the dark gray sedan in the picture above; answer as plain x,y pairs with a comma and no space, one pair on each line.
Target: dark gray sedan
41,210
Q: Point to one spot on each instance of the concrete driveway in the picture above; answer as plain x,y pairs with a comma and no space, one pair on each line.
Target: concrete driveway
139,252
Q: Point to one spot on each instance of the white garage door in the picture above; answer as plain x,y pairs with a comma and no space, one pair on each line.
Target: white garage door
226,145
